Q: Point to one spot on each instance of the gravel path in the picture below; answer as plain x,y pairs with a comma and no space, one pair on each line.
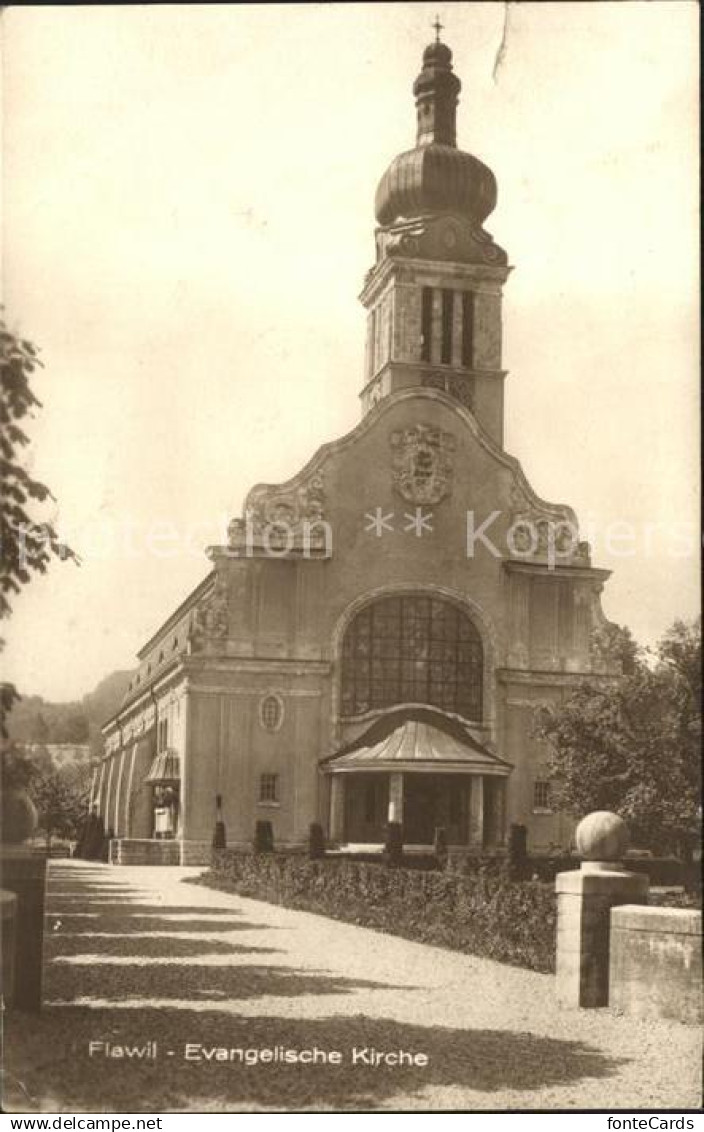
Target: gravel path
138,955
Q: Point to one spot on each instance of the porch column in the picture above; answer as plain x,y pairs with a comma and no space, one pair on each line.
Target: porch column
476,813
337,807
496,814
396,798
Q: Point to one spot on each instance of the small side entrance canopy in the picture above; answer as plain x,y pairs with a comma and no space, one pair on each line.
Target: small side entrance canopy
165,769
165,778
423,769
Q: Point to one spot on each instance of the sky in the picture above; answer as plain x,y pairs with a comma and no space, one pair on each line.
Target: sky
187,220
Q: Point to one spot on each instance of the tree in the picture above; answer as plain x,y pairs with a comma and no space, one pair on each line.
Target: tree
60,794
40,729
61,797
17,769
27,544
73,728
632,744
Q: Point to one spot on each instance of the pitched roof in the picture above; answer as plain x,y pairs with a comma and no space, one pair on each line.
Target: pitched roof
166,767
418,745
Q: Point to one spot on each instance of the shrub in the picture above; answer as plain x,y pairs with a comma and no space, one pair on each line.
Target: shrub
675,899
483,913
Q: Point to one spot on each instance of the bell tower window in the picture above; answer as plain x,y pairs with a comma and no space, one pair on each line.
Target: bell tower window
448,298
426,323
468,329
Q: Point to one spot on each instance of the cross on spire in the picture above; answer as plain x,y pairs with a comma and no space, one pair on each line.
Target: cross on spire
438,28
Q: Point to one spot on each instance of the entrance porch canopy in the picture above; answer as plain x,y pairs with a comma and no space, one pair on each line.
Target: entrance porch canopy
417,746
422,769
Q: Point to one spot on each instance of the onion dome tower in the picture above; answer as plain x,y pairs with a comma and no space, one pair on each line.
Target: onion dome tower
434,293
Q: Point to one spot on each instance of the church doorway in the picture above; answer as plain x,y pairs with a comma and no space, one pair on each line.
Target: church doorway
165,812
435,801
366,808
420,769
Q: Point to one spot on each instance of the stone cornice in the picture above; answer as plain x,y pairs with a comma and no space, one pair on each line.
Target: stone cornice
277,666
258,548
380,273
142,698
194,596
543,569
546,677
421,368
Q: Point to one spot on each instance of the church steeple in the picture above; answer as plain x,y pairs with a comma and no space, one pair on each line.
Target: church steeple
436,90
434,293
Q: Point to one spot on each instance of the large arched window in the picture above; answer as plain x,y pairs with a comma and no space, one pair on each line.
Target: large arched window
412,649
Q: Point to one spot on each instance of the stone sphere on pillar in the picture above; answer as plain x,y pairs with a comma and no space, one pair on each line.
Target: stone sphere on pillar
602,836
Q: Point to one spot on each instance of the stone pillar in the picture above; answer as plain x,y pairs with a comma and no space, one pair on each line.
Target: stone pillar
127,821
108,795
585,898
24,874
519,654
476,813
98,799
8,907
117,823
93,789
337,807
186,770
396,798
140,801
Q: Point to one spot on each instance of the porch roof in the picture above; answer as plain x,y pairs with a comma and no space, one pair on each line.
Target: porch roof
165,768
415,745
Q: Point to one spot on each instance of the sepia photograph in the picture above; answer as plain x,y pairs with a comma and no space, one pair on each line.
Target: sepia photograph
351,641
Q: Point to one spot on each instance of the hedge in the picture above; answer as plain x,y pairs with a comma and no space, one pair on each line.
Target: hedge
661,871
484,914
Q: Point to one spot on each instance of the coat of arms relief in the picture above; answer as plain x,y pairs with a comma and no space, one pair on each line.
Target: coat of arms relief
422,463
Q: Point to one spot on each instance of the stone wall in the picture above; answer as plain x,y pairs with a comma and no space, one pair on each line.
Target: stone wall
655,968
142,851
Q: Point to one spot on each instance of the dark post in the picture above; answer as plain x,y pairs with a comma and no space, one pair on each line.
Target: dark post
316,841
518,851
440,847
263,837
393,849
219,835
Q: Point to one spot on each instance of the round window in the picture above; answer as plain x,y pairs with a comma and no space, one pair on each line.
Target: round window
271,712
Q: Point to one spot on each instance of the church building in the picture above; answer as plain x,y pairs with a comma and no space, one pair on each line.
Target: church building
372,642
